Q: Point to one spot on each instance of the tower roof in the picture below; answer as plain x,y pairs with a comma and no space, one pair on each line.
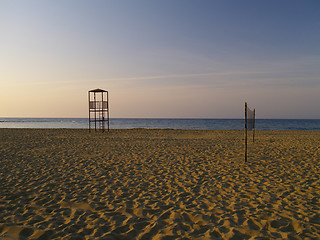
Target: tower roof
98,90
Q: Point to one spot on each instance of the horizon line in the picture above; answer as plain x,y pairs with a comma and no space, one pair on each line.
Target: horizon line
178,118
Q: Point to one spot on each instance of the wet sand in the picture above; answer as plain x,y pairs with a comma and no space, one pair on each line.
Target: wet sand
158,184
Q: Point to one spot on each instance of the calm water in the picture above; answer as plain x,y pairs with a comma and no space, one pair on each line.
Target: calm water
125,123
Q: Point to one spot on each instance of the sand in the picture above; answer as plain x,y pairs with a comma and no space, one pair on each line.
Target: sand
158,184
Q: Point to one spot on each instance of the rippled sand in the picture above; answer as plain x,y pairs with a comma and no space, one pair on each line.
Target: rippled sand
158,184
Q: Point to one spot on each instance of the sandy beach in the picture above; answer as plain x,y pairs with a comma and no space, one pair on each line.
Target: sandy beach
158,184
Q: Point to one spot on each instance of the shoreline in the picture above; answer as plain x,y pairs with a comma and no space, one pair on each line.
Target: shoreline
156,129
159,183
190,124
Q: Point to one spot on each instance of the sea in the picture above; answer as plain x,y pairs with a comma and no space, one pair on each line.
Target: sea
164,123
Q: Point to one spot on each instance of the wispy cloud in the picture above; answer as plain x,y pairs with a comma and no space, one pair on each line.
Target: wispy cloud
177,76
223,79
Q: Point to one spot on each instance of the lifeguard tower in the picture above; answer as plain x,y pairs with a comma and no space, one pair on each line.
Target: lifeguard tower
98,109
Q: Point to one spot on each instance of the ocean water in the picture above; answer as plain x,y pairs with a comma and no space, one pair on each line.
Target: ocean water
160,123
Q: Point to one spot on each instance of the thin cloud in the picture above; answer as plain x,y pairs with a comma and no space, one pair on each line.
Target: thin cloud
174,76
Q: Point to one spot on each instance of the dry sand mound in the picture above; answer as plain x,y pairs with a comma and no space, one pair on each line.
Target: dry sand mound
158,184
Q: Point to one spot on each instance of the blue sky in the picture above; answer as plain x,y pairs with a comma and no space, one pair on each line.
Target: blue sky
168,58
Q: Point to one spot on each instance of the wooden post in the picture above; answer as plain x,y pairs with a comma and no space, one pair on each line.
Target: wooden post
89,113
254,120
102,125
246,135
95,111
108,111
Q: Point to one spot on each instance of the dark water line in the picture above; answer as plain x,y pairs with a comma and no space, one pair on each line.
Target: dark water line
164,123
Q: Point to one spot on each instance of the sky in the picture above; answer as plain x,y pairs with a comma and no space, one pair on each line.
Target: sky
161,59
